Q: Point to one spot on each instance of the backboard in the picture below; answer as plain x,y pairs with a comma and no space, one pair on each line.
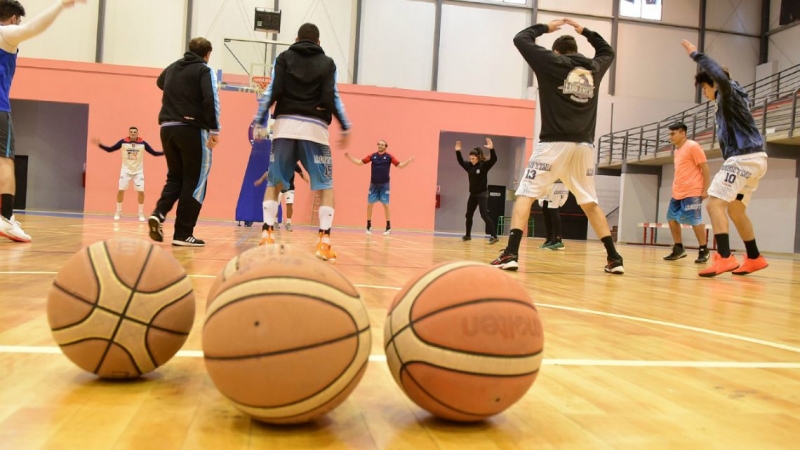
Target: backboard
246,62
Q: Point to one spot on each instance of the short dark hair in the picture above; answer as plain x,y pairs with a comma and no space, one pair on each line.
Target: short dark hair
133,128
565,45
678,126
703,78
9,8
200,46
385,144
308,32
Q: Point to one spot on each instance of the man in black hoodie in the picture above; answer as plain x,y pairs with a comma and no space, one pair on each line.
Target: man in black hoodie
569,86
189,120
303,87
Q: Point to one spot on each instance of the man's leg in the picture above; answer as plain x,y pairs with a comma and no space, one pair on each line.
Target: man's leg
9,228
384,198
548,226
283,162
316,158
754,260
196,158
555,223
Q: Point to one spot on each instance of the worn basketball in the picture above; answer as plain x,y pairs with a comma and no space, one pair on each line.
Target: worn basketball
120,308
464,341
286,337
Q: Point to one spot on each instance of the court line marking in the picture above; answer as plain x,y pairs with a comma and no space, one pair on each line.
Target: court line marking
42,350
675,325
585,311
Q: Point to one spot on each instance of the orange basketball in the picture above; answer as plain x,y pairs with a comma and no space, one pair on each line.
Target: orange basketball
286,337
120,308
464,341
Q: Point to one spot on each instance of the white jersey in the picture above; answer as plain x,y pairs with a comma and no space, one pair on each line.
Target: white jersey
132,154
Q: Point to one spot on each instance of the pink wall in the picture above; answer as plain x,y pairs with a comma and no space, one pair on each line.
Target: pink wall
121,96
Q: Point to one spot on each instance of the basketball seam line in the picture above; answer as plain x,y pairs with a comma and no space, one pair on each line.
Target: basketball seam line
247,297
127,304
298,278
419,385
111,311
288,350
164,288
472,302
312,395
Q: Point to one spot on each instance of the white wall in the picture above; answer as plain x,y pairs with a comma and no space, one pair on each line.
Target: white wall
637,204
783,45
476,54
72,37
219,19
773,209
147,33
397,43
738,53
595,7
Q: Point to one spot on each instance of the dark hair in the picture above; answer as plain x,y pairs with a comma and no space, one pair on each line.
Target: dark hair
705,78
200,46
9,8
678,126
385,144
479,153
565,45
133,128
308,32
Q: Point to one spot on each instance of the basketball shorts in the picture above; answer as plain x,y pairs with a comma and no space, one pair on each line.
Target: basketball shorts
6,135
687,211
126,177
378,192
571,162
289,197
556,196
316,158
738,177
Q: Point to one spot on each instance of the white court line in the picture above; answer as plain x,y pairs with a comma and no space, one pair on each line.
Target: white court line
548,362
676,325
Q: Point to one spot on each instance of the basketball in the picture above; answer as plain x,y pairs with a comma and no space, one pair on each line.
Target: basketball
464,341
286,337
120,308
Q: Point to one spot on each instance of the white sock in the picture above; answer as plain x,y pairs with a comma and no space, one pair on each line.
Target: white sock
288,220
325,217
270,211
119,207
141,209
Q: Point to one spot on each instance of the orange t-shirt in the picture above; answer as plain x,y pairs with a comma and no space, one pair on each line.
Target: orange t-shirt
688,175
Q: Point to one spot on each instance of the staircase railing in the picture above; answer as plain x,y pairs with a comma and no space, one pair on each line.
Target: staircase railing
773,102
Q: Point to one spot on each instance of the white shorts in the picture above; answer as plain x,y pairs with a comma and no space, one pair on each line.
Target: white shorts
738,177
571,162
289,197
556,196
126,177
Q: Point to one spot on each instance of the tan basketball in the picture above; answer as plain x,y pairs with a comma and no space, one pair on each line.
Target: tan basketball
464,341
286,337
120,308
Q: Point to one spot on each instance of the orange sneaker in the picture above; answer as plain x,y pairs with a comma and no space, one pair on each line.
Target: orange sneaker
325,253
751,265
266,238
720,265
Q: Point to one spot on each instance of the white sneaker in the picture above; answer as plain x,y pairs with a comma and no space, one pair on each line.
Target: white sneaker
387,232
11,229
369,230
116,215
142,218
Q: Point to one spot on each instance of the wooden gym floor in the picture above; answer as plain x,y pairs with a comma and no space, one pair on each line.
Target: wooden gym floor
655,359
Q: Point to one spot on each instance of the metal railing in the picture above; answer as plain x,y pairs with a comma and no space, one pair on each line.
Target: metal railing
773,102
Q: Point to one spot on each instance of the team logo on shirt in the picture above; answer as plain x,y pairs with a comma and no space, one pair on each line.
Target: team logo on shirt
579,85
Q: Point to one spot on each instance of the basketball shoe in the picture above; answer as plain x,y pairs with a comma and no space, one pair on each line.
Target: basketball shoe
11,229
324,251
751,265
506,261
266,238
720,265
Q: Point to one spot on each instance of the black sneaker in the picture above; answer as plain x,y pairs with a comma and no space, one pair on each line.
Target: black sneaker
615,266
156,228
493,240
677,253
703,256
466,238
506,261
190,241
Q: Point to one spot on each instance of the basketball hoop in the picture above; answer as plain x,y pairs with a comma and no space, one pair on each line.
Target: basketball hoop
259,84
